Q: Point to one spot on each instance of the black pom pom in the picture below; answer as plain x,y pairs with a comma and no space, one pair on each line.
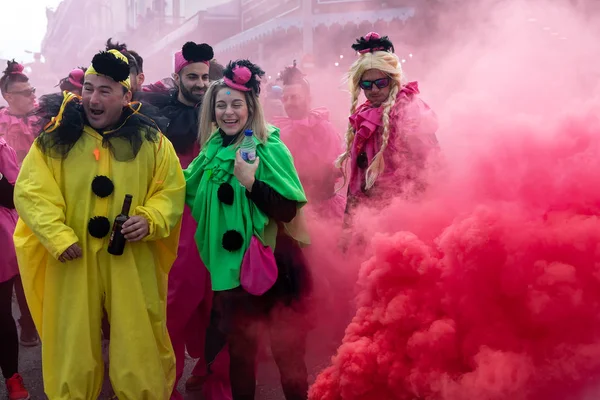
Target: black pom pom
99,227
362,161
225,193
102,186
232,240
193,52
108,64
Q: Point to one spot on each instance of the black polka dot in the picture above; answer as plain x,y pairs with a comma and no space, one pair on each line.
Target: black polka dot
102,186
225,193
232,240
99,227
362,160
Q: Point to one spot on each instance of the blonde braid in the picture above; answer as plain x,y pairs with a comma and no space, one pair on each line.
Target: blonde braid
343,158
378,164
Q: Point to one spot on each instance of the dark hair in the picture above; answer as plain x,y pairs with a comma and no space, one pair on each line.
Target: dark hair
138,60
293,76
216,71
12,74
124,143
65,84
134,67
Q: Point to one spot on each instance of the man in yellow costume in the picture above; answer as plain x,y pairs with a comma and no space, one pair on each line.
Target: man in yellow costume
91,153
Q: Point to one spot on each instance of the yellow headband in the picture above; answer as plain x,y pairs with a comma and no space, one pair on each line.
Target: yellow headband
119,55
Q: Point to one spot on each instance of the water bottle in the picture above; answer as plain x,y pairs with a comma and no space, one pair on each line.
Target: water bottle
248,147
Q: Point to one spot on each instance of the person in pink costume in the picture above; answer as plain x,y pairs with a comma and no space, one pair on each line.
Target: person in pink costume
391,137
314,144
16,120
189,299
18,128
9,270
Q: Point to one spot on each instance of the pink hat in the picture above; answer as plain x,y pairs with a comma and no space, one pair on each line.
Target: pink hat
14,68
243,75
76,77
193,53
373,42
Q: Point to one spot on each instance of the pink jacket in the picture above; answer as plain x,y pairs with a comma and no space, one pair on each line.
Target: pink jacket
315,145
412,138
19,132
8,217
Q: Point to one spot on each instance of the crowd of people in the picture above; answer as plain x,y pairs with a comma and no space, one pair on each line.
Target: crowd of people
215,245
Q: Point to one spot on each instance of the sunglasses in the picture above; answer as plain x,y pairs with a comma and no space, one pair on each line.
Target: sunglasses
380,83
24,93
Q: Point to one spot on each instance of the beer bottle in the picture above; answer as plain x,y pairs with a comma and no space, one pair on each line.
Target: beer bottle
116,244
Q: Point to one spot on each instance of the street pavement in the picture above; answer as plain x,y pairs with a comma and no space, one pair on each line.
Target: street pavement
320,349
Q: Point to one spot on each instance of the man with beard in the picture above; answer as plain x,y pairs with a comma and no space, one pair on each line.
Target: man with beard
165,85
190,294
192,76
313,142
181,104
94,152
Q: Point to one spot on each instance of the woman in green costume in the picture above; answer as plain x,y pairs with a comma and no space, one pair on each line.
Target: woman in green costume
234,201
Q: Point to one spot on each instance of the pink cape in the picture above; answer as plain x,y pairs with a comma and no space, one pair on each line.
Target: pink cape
412,132
19,132
8,218
189,303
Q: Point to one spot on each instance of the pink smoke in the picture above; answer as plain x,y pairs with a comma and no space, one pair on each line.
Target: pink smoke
489,287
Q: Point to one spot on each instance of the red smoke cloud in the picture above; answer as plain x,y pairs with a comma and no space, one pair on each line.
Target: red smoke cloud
504,303
489,287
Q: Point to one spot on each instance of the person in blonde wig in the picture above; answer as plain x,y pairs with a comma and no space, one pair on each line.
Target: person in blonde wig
391,135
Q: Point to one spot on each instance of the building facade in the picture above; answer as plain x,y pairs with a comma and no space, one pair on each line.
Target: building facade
318,33
161,32
77,29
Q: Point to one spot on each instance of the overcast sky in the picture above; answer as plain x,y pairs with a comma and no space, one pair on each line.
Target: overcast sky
23,27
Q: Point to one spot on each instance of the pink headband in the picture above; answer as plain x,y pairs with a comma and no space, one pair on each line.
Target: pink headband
241,76
181,62
75,77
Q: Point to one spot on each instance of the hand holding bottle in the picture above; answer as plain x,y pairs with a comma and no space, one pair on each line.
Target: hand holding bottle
245,172
135,228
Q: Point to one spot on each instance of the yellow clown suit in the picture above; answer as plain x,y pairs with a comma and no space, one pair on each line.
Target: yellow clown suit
70,189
